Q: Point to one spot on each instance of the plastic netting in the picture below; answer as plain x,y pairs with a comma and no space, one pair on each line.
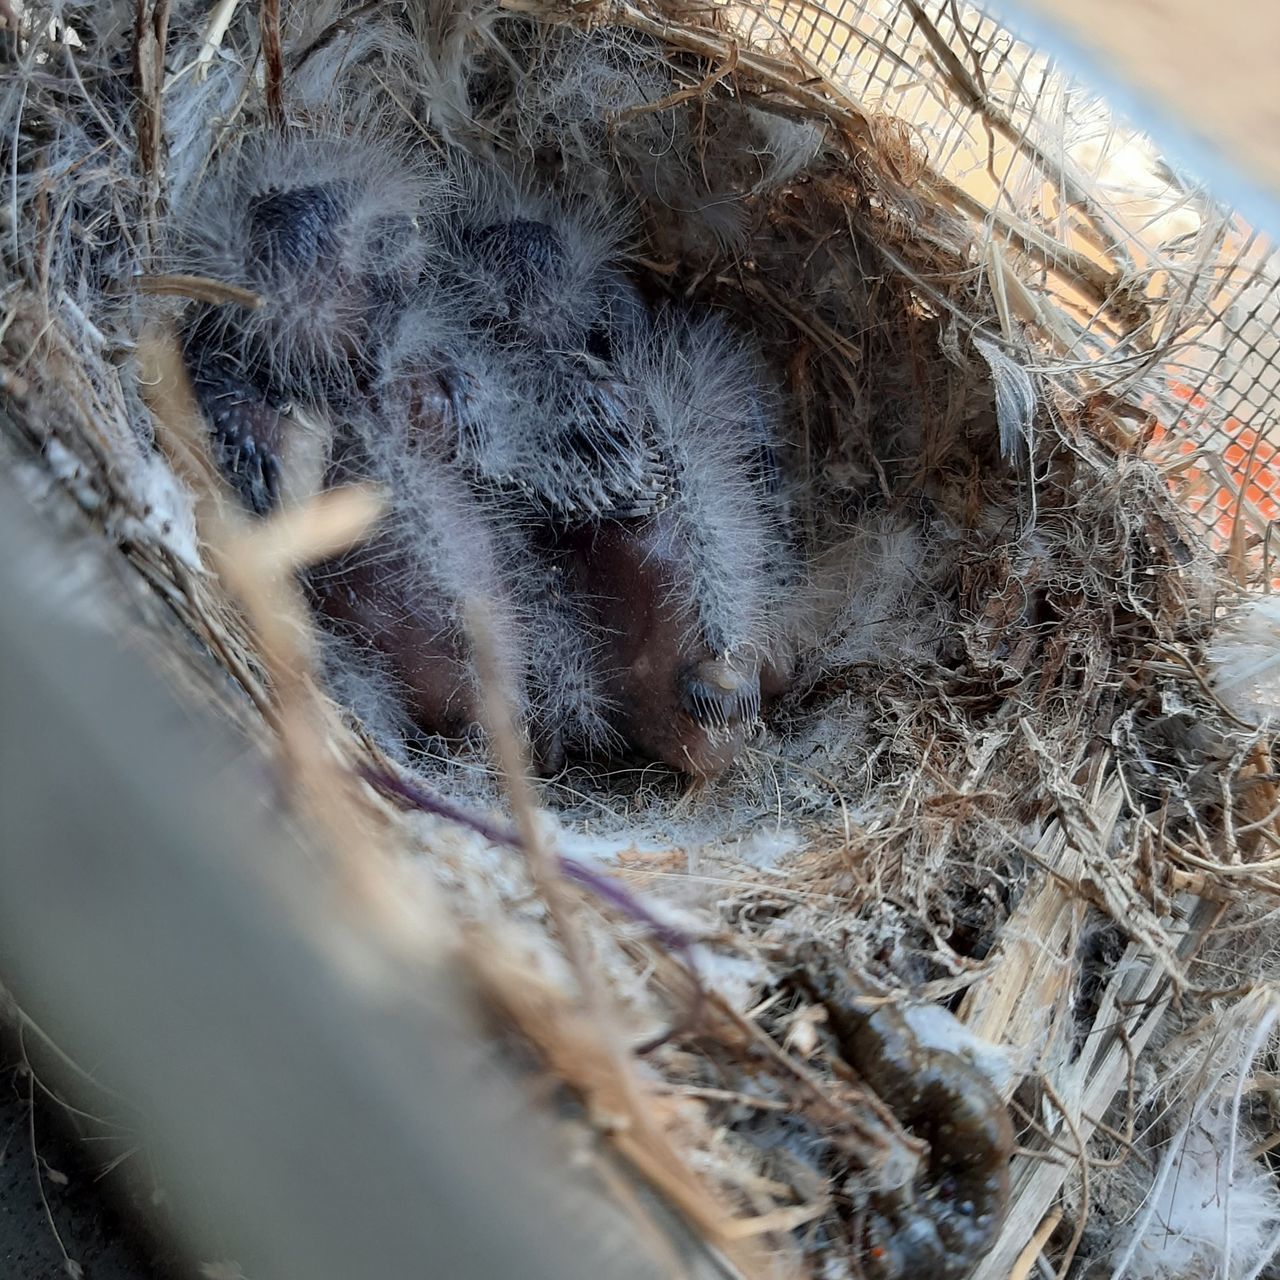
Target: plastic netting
1162,296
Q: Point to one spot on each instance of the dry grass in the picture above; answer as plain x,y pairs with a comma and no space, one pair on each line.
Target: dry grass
1062,770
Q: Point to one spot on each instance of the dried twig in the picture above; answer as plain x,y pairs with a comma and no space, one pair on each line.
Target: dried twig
150,36
272,58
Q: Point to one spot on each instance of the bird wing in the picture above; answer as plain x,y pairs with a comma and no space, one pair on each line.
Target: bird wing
560,428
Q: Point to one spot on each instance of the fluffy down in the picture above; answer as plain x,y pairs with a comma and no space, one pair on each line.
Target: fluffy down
404,593
599,100
327,232
1246,661
689,598
330,235
519,324
548,632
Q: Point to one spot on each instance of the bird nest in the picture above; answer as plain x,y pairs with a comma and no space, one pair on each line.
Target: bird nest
1003,843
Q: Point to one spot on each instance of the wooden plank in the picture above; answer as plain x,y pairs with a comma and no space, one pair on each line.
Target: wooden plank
1209,68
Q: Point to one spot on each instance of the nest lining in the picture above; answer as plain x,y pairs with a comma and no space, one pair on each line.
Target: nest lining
1003,781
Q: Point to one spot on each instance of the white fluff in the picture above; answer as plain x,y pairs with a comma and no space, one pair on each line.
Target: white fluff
870,594
937,1028
1246,661
602,98
1212,1210
714,419
318,312
1202,1205
455,43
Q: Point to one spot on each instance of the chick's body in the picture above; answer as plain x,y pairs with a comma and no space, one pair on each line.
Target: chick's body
404,591
538,303
670,697
641,449
689,598
599,475
327,235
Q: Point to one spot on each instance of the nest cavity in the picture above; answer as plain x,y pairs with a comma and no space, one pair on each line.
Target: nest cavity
1001,785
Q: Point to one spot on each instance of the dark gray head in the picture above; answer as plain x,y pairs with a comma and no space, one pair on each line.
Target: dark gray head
536,293
319,233
296,229
523,252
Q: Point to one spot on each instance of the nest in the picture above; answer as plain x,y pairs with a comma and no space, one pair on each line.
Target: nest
1007,796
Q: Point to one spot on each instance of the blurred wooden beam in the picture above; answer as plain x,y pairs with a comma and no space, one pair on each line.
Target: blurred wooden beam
313,1104
1208,69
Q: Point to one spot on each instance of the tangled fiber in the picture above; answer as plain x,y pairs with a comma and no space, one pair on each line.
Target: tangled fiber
1018,789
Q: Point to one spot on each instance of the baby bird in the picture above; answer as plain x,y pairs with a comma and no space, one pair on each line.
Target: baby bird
539,305
469,535
328,234
642,454
688,599
403,592
603,479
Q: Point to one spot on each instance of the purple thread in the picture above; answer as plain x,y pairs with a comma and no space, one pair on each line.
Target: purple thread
604,887
418,798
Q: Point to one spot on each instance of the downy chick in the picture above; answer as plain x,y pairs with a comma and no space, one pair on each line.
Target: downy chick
528,372
547,631
328,232
643,453
689,599
402,594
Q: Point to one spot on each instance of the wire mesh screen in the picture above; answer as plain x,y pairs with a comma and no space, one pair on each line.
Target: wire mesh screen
1153,292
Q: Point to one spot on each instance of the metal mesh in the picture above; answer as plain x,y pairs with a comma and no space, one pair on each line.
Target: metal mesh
1158,293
